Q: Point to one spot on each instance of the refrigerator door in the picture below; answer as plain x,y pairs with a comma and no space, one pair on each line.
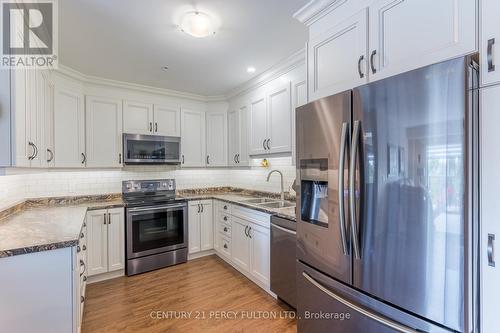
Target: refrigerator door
411,191
323,129
326,305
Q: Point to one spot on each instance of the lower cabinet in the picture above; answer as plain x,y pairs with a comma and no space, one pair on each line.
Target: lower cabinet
106,240
200,226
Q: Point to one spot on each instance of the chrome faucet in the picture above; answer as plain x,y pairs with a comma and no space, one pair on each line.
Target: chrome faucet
282,188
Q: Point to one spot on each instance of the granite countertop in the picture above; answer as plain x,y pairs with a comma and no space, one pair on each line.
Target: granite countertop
238,197
37,225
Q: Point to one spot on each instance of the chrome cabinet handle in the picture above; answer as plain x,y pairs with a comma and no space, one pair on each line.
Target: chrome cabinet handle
120,158
202,208
104,218
199,209
343,140
225,207
374,70
208,159
352,189
246,228
225,229
182,159
109,218
84,158
84,247
264,144
225,218
150,126
238,158
82,299
489,55
389,323
361,74
33,155
249,234
267,144
491,250
234,159
82,264
156,127
36,151
84,278
51,155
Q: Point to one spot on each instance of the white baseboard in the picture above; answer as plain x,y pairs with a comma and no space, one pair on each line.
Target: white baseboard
105,276
200,254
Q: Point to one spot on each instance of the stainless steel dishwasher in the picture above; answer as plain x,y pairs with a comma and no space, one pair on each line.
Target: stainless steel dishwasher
283,258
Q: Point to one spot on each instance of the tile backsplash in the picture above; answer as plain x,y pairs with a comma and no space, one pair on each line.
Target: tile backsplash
16,184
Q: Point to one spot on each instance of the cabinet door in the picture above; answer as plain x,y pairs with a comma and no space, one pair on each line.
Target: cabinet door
137,118
260,253
216,143
405,35
47,89
258,126
21,148
240,253
279,120
69,127
104,132
299,98
489,184
193,138
243,158
97,242
194,212
36,113
167,121
490,42
233,132
116,239
337,58
207,225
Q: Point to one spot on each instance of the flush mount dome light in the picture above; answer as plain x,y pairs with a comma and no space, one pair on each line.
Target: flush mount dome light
197,24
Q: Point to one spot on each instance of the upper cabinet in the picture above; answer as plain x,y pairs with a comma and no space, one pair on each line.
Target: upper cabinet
149,119
216,141
299,98
406,35
270,122
138,118
167,120
238,136
338,57
355,42
193,138
104,132
490,42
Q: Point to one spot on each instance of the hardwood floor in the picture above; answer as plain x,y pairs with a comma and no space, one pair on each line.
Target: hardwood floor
199,290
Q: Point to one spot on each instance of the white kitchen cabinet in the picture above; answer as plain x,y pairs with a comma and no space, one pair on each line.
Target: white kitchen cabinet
193,138
103,132
238,136
106,237
490,42
46,89
138,118
337,58
406,35
69,126
258,126
260,249
490,228
216,140
200,226
240,252
299,98
279,120
167,120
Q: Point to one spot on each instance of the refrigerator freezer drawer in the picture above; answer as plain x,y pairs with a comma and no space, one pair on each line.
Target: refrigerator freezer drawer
325,305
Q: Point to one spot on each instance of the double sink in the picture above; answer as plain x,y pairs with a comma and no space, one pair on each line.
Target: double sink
269,203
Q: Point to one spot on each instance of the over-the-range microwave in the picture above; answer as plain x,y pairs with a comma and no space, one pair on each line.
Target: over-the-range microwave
151,149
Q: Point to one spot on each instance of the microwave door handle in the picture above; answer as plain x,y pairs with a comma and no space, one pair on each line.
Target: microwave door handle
352,189
343,141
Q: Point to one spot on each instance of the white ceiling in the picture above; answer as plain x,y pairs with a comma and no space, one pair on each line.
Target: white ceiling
131,40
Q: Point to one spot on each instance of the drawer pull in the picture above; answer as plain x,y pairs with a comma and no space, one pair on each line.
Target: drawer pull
225,218
78,249
82,299
225,229
225,246
225,207
84,278
82,235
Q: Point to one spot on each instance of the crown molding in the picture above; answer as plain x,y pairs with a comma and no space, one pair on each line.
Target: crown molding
316,9
72,73
284,66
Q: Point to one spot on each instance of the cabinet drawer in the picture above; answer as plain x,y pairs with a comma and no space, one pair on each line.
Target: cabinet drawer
225,207
225,245
252,215
225,218
225,229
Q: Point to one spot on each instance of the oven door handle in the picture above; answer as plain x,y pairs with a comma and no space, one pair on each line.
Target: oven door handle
169,207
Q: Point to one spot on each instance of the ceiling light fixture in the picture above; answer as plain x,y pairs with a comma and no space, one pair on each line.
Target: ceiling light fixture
251,69
197,24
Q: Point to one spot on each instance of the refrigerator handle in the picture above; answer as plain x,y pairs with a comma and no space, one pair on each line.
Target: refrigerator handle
352,190
343,140
382,320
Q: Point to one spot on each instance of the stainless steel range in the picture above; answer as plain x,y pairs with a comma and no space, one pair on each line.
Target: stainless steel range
156,225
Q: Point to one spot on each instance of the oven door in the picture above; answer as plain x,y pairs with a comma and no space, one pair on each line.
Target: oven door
157,229
151,149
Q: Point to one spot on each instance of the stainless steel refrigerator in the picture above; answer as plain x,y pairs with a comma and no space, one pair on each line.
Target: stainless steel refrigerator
387,218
